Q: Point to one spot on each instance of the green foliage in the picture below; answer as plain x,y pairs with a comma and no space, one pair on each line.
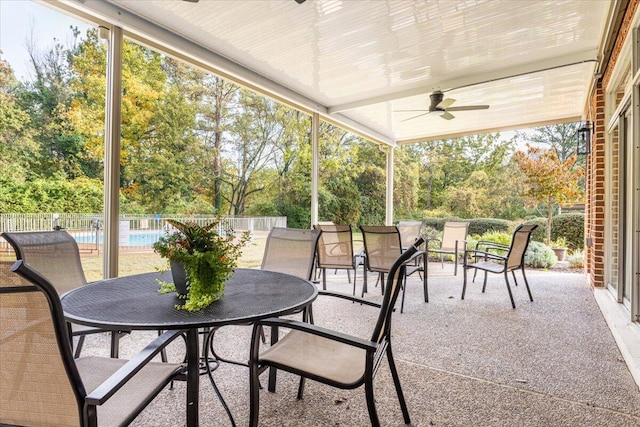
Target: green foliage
51,195
567,226
539,234
497,237
209,255
570,227
438,223
549,179
540,255
576,259
477,226
480,226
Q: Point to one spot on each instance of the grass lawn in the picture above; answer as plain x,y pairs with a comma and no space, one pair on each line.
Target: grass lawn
131,262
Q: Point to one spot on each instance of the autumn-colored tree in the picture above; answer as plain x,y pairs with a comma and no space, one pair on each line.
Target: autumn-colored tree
548,179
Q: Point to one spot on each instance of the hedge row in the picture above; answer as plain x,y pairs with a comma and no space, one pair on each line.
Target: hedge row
477,226
569,226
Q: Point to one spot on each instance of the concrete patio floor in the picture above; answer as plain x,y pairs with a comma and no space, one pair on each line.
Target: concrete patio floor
472,362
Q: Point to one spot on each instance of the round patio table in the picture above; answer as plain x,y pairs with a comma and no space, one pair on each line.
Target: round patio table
134,303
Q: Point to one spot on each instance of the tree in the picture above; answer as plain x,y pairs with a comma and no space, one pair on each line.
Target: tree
562,138
549,180
16,145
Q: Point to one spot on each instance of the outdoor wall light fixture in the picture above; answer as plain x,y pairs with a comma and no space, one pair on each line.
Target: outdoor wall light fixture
584,138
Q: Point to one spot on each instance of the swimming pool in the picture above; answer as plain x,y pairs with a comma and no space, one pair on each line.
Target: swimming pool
137,238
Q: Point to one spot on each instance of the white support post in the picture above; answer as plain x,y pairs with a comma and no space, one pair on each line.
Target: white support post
389,198
315,160
112,152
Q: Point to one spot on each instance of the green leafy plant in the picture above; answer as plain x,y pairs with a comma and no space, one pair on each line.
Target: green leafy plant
209,254
576,259
560,242
540,255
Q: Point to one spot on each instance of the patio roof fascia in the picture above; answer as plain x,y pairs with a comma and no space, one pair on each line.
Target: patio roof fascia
169,43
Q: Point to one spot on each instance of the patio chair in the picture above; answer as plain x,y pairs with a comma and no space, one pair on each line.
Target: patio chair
42,383
492,262
409,232
382,246
55,255
453,242
331,357
290,251
335,251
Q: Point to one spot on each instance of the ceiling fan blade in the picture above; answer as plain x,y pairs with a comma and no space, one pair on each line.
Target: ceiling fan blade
447,115
409,111
415,117
445,103
192,1
468,107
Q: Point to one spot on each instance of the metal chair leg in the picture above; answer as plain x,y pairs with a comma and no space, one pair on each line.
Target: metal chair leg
371,402
79,346
506,280
527,284
464,280
396,383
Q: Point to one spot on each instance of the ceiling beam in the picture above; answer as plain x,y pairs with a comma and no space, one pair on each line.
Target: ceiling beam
523,125
476,79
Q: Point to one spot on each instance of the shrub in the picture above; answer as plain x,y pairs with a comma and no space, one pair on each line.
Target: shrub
481,226
571,228
567,226
429,232
438,223
540,255
539,234
493,236
477,226
576,259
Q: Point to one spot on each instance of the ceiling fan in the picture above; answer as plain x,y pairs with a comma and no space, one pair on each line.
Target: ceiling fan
443,107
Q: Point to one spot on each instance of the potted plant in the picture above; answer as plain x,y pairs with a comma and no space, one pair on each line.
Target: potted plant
559,247
201,258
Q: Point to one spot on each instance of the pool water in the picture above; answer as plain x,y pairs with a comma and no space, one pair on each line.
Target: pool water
135,238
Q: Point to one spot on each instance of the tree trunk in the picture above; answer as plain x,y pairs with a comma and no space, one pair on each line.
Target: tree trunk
549,220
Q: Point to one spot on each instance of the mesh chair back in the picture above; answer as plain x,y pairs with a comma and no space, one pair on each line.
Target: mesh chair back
382,246
291,251
395,279
54,254
36,389
335,246
453,231
519,244
409,232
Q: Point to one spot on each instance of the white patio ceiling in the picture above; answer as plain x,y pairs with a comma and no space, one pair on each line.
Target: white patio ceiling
356,62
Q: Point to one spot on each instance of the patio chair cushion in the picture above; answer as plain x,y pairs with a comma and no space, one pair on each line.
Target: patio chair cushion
315,355
133,395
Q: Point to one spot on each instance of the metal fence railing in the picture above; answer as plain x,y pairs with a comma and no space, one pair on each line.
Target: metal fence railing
136,231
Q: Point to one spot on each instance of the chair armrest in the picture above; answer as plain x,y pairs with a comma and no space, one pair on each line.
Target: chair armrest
491,245
415,255
119,378
348,297
483,254
318,331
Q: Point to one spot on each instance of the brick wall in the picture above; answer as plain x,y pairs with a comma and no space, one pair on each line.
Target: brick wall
596,172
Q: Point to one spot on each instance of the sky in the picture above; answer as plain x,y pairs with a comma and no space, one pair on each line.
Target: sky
21,18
